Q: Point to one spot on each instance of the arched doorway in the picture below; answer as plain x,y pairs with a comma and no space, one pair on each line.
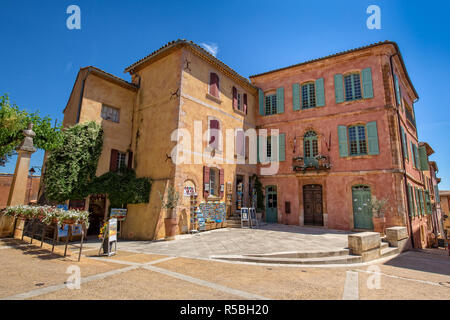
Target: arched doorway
312,203
362,213
271,204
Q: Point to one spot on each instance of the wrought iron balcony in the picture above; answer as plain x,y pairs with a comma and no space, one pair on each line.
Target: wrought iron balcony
319,162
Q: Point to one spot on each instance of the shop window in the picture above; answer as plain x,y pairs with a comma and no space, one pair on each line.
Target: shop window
214,185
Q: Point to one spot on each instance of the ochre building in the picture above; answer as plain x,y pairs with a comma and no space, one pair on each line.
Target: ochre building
332,133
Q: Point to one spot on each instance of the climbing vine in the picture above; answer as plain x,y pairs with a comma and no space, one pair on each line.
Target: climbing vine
71,167
122,187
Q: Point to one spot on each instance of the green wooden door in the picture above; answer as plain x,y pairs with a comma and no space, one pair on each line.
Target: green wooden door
362,215
271,204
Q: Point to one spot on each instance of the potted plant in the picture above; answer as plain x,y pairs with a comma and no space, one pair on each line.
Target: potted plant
378,208
170,202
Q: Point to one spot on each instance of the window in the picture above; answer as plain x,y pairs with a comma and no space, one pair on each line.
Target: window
121,160
214,133
310,144
271,104
239,104
352,84
269,148
308,96
110,113
214,84
357,140
214,182
240,143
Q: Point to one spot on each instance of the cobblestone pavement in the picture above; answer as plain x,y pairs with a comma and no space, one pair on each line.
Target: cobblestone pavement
235,241
31,272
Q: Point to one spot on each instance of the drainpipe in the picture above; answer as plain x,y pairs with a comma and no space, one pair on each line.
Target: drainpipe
403,154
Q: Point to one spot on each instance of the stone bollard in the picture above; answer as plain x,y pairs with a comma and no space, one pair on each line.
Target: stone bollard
365,244
397,237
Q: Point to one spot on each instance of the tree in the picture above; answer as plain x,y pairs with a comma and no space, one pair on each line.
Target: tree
12,123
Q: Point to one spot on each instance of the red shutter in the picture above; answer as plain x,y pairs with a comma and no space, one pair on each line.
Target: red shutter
245,103
130,160
205,181
214,84
221,182
113,160
234,98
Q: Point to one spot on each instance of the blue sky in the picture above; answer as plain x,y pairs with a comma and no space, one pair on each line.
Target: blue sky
40,57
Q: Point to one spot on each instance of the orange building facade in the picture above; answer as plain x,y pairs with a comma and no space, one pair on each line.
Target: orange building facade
334,133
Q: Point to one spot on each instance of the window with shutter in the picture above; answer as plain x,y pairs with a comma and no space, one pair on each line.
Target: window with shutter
110,113
271,104
214,133
308,95
357,140
214,84
366,75
296,96
352,83
235,98
240,143
245,103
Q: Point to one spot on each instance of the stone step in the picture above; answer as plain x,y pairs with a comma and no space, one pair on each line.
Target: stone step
302,255
347,259
384,245
389,251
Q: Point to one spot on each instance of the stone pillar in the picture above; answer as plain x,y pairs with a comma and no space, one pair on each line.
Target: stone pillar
19,185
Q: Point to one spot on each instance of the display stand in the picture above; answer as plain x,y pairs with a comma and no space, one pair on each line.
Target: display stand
31,228
107,242
253,219
245,218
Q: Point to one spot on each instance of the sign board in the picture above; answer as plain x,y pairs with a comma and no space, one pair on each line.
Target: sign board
63,231
112,230
62,206
244,214
118,213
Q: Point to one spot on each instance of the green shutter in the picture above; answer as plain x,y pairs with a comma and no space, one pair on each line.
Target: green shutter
282,148
296,96
343,142
372,137
397,90
367,83
423,158
280,100
261,102
422,201
416,156
427,197
339,87
405,146
416,194
412,153
320,93
410,200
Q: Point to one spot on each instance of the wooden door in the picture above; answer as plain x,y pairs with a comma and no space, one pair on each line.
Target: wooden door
312,203
362,214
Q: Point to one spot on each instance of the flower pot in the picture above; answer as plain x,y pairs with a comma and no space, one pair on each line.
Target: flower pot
379,224
69,221
171,225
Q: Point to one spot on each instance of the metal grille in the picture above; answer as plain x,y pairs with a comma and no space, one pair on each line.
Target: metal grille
308,96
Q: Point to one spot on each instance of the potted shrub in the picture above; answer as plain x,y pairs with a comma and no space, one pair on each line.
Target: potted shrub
378,208
170,203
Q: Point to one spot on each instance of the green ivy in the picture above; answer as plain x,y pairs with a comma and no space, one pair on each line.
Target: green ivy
12,123
71,167
122,187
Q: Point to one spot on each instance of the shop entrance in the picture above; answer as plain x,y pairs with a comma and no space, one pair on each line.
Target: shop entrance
312,202
271,204
97,205
239,191
362,215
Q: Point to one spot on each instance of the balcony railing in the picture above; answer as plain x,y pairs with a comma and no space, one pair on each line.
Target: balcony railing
319,162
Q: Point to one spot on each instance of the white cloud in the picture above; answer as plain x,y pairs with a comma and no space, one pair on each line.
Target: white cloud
212,48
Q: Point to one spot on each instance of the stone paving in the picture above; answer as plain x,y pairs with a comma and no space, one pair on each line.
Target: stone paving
268,238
